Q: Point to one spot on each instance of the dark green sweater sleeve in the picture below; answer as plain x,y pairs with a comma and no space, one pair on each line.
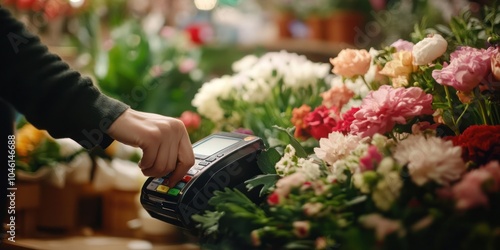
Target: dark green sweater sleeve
48,93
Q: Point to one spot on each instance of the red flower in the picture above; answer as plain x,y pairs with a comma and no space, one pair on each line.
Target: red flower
321,121
273,199
344,125
480,144
24,4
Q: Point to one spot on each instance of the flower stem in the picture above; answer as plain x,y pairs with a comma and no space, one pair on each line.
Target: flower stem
483,112
366,83
450,106
460,117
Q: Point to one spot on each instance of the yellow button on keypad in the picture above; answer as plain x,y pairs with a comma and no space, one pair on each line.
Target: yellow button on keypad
162,189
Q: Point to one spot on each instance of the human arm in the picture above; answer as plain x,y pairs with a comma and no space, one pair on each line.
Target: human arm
55,98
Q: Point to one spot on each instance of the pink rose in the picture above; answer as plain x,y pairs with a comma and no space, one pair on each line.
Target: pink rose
351,62
468,66
382,109
402,45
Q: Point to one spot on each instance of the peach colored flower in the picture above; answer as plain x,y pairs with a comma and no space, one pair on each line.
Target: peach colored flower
351,62
337,96
400,65
429,49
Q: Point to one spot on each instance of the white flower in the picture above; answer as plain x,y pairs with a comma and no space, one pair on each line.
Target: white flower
429,49
206,100
387,190
245,63
285,166
359,182
430,159
309,168
336,147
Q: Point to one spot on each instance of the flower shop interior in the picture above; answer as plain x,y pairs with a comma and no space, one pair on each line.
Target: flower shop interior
373,124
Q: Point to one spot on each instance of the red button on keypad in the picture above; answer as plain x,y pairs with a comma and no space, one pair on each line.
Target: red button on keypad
186,178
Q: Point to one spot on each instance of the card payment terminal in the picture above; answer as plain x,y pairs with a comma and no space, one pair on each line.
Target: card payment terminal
221,160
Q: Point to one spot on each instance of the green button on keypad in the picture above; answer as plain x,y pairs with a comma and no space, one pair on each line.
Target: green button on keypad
174,191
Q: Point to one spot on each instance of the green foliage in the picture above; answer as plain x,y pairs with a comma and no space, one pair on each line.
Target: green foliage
154,74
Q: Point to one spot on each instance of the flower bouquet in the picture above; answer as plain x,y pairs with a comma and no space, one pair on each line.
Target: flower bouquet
409,161
262,93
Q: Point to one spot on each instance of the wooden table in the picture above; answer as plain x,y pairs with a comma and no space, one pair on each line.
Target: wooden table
92,243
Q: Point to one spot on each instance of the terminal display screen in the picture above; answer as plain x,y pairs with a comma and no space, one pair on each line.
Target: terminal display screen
213,145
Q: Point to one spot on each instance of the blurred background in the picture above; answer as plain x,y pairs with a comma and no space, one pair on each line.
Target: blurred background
155,55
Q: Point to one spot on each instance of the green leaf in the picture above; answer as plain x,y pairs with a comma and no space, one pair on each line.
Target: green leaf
299,150
209,221
230,196
268,181
302,244
267,161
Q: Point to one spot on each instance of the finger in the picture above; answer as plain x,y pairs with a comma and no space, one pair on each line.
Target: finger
163,163
148,157
185,160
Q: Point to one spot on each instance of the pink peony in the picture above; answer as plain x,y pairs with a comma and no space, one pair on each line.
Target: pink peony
468,66
382,109
402,45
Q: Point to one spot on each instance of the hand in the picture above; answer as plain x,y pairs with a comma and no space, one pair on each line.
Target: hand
164,141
